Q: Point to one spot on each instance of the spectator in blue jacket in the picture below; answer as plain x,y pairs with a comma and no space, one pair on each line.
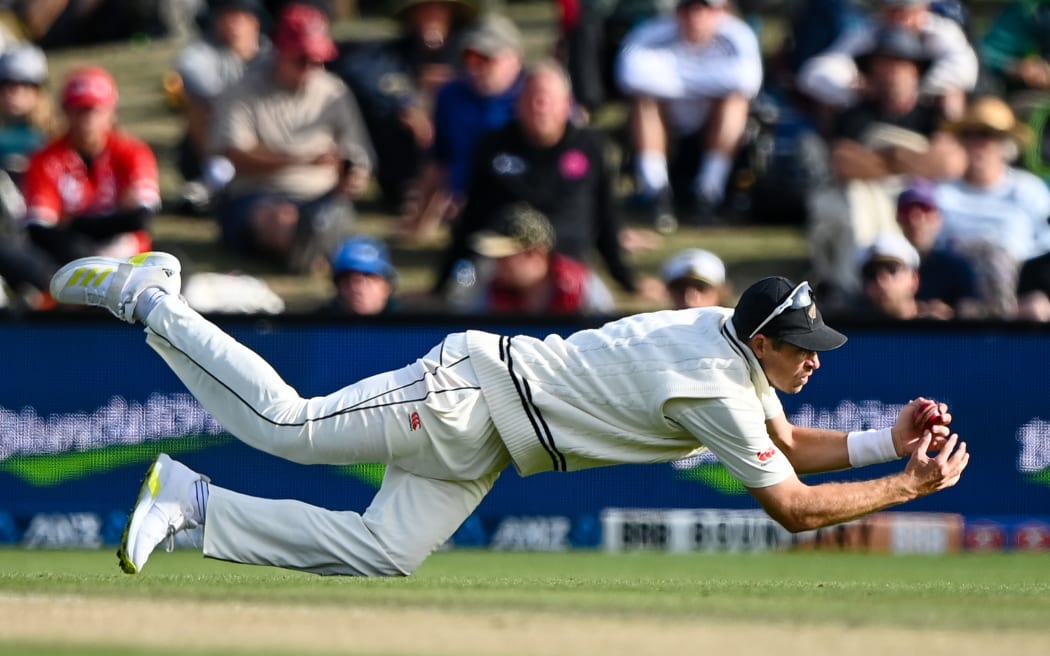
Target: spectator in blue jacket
395,81
479,101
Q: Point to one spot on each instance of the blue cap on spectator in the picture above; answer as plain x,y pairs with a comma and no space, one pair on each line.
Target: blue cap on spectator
920,192
363,254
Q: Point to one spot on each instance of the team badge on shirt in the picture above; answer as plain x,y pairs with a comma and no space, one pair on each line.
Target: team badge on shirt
507,164
573,164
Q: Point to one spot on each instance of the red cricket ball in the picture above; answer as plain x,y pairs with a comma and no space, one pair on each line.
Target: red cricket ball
928,415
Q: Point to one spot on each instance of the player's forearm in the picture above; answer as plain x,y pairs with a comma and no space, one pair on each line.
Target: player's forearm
814,450
833,503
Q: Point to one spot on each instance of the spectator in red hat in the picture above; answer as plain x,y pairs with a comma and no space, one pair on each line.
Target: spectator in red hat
91,191
295,136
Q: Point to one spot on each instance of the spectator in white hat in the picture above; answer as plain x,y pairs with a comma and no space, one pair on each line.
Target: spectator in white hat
890,275
695,278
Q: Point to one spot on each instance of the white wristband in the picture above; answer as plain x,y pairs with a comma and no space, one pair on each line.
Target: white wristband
870,447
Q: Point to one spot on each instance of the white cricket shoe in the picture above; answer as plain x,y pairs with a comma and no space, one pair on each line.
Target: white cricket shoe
166,505
115,283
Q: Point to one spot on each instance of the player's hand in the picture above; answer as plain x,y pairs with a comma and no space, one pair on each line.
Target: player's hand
915,419
926,474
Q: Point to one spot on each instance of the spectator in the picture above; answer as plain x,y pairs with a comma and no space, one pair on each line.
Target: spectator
834,80
206,68
892,133
26,115
996,214
947,282
890,271
91,191
395,82
70,23
528,276
690,78
1017,45
696,278
364,277
295,137
543,159
591,35
479,101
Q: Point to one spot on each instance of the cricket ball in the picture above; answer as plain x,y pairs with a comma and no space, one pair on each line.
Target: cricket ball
928,415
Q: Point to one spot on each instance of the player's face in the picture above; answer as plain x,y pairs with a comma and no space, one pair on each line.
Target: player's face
787,367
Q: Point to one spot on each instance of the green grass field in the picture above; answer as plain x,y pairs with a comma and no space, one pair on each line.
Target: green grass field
465,602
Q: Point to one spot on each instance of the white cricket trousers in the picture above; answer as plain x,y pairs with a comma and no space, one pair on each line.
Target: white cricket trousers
428,422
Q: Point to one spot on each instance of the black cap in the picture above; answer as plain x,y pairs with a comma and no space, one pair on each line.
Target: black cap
802,326
898,43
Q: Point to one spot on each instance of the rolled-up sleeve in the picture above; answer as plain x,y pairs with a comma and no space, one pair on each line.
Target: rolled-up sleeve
735,431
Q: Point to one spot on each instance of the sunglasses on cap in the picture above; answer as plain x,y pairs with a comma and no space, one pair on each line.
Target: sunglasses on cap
871,270
800,297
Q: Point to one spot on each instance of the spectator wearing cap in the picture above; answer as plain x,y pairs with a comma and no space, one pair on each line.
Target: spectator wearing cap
91,191
205,69
834,79
396,81
543,159
300,150
996,214
695,278
480,100
364,276
875,146
690,78
528,277
947,281
26,113
890,271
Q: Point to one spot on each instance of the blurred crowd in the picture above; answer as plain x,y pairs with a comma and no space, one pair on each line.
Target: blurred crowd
907,143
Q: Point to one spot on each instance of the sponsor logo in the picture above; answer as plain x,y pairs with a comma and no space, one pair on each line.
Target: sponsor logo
506,164
1032,536
63,531
414,422
573,164
985,536
532,534
767,455
1033,459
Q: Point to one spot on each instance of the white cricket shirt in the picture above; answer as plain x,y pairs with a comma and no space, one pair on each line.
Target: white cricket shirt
647,388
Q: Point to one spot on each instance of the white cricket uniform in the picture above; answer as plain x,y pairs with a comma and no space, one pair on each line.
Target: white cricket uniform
648,388
656,62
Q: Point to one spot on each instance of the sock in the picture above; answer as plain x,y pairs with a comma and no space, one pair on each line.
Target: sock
199,500
710,182
651,172
147,300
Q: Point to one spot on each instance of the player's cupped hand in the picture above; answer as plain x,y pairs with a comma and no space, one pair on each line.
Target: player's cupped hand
917,417
928,473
